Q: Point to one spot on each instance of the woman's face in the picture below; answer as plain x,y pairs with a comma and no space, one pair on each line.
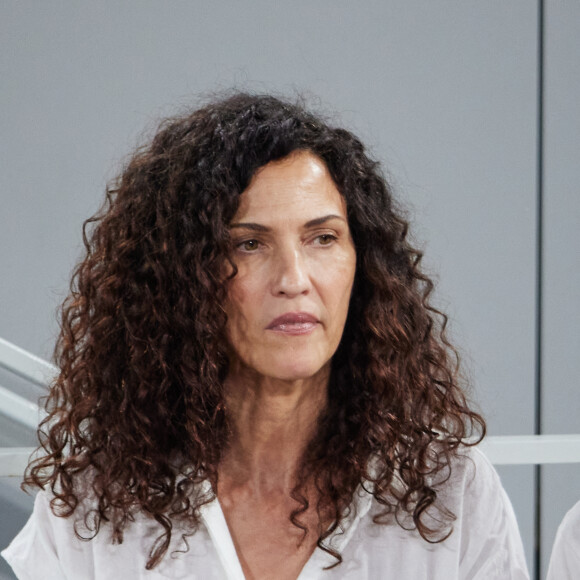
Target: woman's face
296,260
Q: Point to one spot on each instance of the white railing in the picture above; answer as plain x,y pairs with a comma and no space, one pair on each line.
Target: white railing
25,364
30,367
532,449
13,460
20,409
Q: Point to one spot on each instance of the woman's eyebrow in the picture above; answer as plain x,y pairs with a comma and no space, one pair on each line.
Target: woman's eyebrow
251,226
321,220
309,224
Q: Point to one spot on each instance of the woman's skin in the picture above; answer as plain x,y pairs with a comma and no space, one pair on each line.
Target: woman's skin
286,308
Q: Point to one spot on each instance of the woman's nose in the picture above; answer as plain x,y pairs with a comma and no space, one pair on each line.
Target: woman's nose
291,276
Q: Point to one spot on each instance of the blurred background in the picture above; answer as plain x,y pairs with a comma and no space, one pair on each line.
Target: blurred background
472,107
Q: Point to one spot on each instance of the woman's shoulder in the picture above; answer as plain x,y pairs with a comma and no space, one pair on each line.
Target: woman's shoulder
571,523
37,545
470,470
471,488
565,557
79,546
485,527
484,541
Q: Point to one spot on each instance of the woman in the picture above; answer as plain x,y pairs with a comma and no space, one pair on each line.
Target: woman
253,382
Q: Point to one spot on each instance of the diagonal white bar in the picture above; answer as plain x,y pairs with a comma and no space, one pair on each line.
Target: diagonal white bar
13,460
20,409
25,364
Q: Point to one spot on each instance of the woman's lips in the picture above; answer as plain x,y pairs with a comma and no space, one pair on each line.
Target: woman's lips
294,323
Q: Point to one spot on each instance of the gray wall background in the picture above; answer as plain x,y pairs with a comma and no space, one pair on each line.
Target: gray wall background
444,92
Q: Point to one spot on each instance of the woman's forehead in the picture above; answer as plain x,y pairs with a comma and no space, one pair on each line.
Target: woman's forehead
299,185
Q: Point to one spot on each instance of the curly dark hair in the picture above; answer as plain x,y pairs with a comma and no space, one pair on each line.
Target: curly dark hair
137,411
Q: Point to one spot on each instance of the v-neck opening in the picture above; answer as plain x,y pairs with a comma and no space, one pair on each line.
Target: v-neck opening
218,529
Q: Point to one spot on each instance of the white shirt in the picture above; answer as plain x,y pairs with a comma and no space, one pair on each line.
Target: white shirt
485,543
565,558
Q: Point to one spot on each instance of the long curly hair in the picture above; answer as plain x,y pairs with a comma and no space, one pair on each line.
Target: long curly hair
137,412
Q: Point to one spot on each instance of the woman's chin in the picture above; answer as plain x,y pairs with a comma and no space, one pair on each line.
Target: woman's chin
291,371
281,366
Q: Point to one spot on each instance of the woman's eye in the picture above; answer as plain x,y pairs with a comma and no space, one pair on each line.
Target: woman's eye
249,245
325,239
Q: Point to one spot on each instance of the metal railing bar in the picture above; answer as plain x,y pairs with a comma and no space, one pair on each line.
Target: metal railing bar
20,409
13,460
25,364
532,449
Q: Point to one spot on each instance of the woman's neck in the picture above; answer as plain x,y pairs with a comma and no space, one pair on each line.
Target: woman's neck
273,421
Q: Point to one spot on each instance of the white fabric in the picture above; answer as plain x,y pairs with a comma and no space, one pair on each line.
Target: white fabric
485,544
565,559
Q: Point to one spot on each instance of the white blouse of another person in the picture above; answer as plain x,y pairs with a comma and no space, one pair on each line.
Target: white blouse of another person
565,558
